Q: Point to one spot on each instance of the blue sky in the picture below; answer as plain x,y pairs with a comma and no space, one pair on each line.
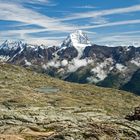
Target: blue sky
107,22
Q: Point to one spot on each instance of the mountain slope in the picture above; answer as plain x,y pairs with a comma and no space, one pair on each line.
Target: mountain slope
28,112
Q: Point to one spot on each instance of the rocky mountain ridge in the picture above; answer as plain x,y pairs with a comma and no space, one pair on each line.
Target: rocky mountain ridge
78,60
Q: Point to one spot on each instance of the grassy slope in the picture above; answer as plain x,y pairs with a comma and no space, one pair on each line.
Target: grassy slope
17,88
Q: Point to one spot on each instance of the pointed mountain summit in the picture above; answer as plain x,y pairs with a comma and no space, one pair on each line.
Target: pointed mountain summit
77,38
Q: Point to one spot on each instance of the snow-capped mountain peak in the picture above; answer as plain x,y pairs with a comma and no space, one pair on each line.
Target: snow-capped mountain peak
79,37
78,40
11,45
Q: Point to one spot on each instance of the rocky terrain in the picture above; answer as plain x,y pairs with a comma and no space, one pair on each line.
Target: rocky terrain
79,60
62,110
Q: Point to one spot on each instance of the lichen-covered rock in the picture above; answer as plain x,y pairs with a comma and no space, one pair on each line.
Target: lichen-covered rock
135,116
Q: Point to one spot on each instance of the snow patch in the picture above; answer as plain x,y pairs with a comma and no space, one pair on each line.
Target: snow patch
27,63
44,66
136,62
4,58
120,67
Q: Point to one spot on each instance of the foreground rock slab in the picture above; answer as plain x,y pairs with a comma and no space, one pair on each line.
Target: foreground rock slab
70,123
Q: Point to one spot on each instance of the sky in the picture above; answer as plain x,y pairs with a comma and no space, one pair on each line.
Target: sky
49,22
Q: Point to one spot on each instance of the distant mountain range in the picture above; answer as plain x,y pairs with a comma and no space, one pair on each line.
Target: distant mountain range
80,60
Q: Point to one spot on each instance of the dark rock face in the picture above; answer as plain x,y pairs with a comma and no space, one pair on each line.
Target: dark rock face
36,56
135,116
122,55
50,52
134,84
119,54
68,53
100,52
80,76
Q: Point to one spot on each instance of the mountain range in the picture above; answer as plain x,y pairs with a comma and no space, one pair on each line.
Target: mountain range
79,60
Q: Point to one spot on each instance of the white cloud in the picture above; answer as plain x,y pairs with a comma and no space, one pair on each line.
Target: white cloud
72,66
16,12
111,24
130,32
77,63
100,13
86,7
55,64
47,42
41,2
98,20
121,67
119,40
23,35
48,2
64,62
